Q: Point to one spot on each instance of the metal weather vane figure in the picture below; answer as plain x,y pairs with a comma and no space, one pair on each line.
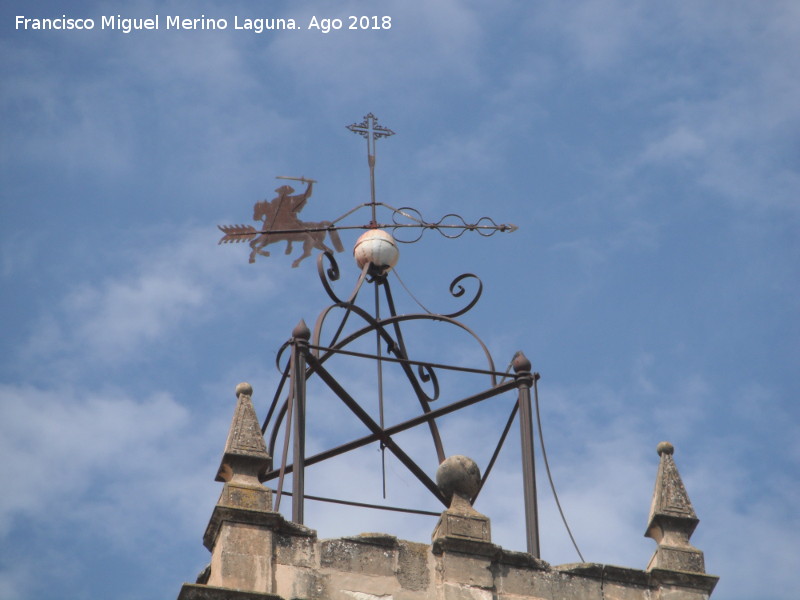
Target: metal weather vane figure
279,221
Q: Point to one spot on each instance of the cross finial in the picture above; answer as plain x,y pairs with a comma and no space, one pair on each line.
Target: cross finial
370,129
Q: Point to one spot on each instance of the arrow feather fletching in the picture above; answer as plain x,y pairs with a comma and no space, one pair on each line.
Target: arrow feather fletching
237,233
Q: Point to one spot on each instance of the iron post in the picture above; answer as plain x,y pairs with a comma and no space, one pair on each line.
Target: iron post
300,337
524,378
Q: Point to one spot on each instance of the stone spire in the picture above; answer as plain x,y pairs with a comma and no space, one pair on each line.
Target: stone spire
245,455
672,519
239,534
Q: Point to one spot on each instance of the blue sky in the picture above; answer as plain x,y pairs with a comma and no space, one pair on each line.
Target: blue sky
648,153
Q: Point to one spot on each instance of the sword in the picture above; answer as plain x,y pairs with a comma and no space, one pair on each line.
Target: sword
303,179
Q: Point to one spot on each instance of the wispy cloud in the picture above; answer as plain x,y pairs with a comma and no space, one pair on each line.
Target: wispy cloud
170,285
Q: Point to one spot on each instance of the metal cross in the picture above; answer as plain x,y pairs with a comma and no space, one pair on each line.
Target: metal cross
370,129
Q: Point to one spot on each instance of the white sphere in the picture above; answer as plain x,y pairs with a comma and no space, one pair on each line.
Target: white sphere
377,247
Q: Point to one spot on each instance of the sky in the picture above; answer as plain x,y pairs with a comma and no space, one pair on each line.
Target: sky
648,153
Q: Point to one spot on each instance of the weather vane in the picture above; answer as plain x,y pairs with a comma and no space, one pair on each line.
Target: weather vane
278,220
305,356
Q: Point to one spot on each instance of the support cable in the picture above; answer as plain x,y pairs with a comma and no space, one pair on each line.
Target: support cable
547,465
409,292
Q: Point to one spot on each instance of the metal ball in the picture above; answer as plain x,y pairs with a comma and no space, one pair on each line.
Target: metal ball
378,248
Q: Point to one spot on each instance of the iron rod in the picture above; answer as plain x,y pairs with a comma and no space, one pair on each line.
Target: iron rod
364,417
528,464
299,348
408,361
501,228
437,439
400,427
379,365
287,436
412,511
496,452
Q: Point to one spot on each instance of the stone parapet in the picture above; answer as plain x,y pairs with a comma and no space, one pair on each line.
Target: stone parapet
378,567
193,591
256,554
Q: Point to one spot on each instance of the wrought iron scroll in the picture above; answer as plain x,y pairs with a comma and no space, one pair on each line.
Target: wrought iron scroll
389,331
308,353
451,225
278,218
308,358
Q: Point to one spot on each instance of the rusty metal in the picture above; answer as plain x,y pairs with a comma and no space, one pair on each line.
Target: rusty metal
370,130
418,363
280,223
376,429
496,453
278,220
304,357
547,466
485,226
410,511
399,428
300,337
287,410
524,378
426,370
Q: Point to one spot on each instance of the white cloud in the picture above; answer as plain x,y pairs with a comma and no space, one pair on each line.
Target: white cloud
99,468
164,287
425,41
58,443
602,31
86,121
680,144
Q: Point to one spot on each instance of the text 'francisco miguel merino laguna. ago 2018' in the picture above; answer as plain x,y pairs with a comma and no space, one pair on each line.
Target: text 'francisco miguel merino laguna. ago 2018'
176,22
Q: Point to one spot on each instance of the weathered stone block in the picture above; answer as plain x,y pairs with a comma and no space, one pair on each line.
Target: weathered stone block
300,582
613,590
470,527
354,555
413,571
524,582
249,497
191,591
455,591
298,551
678,559
467,570
676,593
346,586
242,558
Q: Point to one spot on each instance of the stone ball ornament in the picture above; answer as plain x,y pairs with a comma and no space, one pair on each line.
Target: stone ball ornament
460,476
665,448
244,388
378,248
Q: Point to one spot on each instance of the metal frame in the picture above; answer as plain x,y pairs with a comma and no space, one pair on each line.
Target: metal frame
307,356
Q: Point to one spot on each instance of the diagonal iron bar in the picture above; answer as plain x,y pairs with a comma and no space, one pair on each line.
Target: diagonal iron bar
407,361
496,452
400,427
376,429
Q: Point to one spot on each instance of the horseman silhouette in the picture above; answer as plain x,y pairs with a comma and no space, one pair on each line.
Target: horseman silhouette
280,222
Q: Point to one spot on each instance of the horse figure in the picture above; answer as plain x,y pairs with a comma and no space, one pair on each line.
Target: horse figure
280,215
